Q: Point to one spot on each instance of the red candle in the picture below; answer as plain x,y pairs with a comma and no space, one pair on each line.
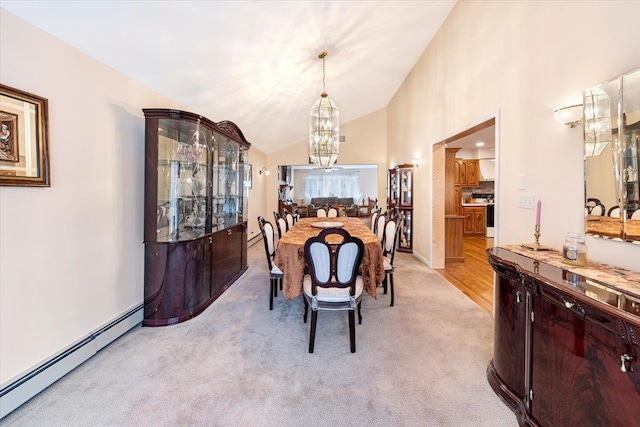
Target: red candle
538,212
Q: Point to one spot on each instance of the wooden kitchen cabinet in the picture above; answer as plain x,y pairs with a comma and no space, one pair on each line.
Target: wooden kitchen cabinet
467,172
475,218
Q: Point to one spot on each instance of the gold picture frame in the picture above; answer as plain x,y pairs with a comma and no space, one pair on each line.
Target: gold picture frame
24,139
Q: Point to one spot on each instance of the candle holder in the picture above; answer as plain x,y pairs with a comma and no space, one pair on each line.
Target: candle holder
536,246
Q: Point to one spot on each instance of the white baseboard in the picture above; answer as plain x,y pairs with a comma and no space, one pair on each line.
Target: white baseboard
20,390
423,260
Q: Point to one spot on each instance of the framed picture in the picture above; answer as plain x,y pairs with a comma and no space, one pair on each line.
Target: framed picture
24,139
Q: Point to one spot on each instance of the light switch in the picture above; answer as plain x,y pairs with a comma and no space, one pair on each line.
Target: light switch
522,182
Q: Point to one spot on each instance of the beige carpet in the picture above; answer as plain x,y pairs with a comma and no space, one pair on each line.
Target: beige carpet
420,363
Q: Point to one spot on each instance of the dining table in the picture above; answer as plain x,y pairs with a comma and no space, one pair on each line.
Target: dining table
290,252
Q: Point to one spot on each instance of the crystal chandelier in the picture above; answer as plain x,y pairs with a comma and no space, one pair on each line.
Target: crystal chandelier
324,127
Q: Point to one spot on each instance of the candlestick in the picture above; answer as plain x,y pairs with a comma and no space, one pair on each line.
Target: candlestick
538,209
536,246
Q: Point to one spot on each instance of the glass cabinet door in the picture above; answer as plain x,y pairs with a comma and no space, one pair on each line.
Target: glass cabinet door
228,186
183,180
406,176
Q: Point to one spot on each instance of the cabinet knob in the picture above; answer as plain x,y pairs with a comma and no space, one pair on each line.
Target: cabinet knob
210,239
229,232
566,303
518,296
624,359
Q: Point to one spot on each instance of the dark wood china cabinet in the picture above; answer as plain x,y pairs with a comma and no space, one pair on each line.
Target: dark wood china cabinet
400,199
566,346
195,213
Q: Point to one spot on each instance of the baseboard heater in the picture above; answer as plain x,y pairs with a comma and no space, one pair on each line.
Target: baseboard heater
24,388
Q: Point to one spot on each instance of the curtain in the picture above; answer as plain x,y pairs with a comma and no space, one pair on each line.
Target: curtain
337,183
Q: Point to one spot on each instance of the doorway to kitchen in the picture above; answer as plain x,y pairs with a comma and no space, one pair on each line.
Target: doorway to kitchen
470,200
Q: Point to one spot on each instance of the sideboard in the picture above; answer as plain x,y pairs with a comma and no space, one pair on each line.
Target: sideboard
566,340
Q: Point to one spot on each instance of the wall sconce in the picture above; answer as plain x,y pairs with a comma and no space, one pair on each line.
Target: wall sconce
265,170
416,161
568,116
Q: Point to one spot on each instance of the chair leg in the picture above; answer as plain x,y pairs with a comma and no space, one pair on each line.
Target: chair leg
271,285
352,331
306,308
281,280
384,284
275,286
312,335
391,286
360,313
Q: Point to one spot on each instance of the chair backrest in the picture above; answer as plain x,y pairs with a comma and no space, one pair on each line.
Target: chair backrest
597,210
281,223
374,217
380,222
392,230
268,236
332,262
321,213
614,212
636,214
333,213
290,220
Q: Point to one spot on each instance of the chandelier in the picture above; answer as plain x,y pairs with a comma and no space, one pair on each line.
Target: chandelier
324,127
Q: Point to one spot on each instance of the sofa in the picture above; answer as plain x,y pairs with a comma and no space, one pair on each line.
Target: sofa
350,207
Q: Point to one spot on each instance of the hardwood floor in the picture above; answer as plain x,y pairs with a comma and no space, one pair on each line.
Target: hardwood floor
474,277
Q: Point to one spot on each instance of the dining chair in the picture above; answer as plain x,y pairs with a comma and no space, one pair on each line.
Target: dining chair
281,223
597,210
332,213
290,219
380,222
374,216
275,274
614,212
321,213
392,230
635,214
333,282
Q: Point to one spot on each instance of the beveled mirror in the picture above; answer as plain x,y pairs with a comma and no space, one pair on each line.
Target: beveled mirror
612,145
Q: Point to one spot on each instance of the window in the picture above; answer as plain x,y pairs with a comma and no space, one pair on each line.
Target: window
337,183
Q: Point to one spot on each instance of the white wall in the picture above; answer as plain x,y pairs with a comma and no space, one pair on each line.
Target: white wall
71,256
522,59
258,192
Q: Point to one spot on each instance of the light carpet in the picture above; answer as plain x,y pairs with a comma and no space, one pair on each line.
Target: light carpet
419,363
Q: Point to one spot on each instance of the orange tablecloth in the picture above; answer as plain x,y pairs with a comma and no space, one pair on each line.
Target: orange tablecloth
290,254
612,227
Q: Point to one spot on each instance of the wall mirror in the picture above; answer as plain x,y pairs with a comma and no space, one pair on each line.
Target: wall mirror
612,148
24,146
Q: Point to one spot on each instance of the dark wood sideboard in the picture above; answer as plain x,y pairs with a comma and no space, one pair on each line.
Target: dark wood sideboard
566,345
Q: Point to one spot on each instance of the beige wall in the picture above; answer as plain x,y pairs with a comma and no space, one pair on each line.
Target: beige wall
258,192
71,256
517,60
365,144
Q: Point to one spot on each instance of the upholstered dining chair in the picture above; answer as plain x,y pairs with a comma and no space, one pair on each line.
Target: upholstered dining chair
595,207
374,216
392,230
275,274
380,222
281,223
290,219
333,282
321,213
614,212
635,214
597,210
332,213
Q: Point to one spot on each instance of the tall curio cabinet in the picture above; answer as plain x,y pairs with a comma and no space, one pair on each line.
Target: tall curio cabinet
197,178
400,199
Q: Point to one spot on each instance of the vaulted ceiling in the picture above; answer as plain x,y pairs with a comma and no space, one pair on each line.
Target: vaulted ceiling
252,62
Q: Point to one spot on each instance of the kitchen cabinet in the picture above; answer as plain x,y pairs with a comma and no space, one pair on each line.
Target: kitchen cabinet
475,219
467,172
457,191
566,346
195,213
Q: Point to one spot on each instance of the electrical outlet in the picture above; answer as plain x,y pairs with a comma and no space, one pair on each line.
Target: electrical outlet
526,201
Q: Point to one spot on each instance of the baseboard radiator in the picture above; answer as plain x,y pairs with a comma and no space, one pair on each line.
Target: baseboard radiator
24,388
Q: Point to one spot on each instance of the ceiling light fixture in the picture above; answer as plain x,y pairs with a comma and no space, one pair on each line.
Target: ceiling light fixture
569,116
324,127
480,144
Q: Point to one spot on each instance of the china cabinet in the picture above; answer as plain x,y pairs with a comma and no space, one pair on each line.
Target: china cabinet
197,179
400,199
566,346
